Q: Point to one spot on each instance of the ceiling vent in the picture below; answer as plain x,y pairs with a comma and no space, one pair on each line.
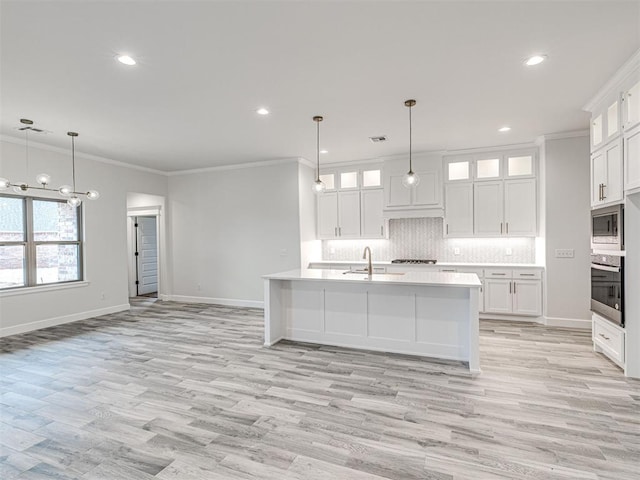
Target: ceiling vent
381,138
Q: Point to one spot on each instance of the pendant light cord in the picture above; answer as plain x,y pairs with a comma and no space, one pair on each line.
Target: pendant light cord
73,162
318,150
26,146
410,140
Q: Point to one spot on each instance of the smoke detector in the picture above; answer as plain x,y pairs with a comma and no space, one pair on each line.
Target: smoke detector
381,138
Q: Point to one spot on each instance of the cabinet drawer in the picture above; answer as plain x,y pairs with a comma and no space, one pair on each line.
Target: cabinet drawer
609,338
477,271
527,274
497,273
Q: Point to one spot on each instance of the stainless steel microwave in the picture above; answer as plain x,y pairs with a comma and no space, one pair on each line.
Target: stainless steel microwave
607,232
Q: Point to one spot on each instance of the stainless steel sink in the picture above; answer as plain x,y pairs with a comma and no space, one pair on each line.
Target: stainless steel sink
364,272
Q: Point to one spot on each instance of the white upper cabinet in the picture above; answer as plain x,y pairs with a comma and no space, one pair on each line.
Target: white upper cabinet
349,214
488,213
520,165
605,122
458,214
328,215
632,159
329,180
488,168
597,126
520,212
349,180
372,221
426,195
631,100
458,168
372,178
606,174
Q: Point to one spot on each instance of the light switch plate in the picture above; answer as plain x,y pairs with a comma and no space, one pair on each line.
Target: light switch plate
564,252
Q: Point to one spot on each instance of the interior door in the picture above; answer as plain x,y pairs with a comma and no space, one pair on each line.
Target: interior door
147,255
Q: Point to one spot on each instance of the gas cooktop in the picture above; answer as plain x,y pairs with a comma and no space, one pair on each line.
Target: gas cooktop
414,261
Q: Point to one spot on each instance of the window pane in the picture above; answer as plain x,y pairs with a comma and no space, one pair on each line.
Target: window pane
12,264
520,166
11,219
54,221
489,168
459,171
57,263
349,180
328,180
371,178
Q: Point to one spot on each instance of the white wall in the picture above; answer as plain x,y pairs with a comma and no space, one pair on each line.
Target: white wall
105,237
567,220
310,247
230,227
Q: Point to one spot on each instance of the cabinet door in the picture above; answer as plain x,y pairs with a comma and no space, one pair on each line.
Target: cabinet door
328,215
520,212
349,214
632,159
632,106
427,192
598,177
612,189
481,298
497,296
488,211
458,216
613,119
597,127
372,221
527,297
397,194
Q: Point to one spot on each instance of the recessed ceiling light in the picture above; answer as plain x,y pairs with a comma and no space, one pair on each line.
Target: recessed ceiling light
126,59
504,129
535,60
324,151
262,111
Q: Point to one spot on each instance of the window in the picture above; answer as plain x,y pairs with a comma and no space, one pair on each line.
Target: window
39,242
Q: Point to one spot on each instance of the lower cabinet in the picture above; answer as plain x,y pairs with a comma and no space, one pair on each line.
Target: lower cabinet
608,339
513,292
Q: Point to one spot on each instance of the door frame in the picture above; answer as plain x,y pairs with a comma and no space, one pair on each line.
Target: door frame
153,211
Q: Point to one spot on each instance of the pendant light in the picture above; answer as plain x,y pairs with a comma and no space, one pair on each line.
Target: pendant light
318,185
70,191
410,179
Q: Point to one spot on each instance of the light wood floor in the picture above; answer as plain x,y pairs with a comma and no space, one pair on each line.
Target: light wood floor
177,391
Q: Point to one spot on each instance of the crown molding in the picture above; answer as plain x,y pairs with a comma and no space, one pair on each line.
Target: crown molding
85,156
497,148
221,168
614,82
561,135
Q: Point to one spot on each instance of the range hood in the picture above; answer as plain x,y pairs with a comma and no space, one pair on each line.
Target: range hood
395,213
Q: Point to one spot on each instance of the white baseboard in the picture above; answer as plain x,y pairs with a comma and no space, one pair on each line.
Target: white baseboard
511,318
50,322
581,323
231,302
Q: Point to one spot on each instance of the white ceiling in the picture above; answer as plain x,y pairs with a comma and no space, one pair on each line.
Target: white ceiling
205,67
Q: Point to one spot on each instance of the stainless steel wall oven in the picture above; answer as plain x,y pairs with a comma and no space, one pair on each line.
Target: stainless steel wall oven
607,287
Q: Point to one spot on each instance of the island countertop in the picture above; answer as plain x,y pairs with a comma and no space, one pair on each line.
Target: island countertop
427,278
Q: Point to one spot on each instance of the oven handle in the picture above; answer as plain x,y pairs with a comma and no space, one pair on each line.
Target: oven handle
605,268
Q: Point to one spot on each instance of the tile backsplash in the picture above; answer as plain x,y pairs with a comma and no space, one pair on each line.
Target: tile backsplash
423,238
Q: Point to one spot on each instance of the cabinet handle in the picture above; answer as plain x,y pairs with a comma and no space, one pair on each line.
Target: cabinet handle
514,288
509,288
447,229
603,195
527,274
507,228
335,231
340,231
494,274
604,336
500,228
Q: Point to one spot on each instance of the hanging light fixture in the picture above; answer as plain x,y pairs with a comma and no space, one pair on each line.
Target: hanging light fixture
318,185
43,179
70,191
410,179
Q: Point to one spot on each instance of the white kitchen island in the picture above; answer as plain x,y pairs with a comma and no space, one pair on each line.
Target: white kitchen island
432,314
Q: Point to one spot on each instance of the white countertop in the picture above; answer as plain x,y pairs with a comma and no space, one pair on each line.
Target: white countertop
439,264
436,279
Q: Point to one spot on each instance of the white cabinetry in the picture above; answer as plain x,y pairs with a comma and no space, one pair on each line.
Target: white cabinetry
423,200
372,222
516,292
632,159
352,205
606,174
631,100
459,211
605,123
501,198
339,215
608,339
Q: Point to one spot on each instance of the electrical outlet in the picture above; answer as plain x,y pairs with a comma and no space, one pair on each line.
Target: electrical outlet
509,252
456,251
564,252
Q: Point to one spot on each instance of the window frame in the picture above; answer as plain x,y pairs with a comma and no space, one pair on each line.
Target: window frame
30,245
